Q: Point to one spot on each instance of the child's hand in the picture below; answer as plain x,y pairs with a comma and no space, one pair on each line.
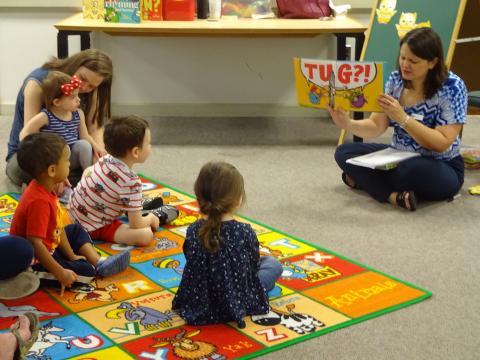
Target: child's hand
67,277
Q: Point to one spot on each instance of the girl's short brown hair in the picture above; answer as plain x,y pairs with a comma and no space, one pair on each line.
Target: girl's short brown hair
124,133
51,87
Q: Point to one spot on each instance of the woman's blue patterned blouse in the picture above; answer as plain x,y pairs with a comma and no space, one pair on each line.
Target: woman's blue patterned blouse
222,286
448,106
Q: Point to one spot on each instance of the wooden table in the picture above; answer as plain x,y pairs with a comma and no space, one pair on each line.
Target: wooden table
342,28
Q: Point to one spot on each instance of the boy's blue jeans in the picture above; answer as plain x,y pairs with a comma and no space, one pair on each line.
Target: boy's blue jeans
77,237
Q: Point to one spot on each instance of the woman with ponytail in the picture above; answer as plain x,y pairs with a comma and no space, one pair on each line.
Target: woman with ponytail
224,279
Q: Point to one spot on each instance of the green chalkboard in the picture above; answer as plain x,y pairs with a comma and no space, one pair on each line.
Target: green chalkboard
391,18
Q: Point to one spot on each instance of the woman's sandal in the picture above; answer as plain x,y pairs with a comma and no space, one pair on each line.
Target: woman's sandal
25,345
347,180
406,200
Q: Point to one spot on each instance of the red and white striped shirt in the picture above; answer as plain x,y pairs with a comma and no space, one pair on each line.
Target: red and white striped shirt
104,193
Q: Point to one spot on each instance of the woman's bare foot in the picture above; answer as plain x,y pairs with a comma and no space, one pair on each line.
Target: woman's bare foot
8,342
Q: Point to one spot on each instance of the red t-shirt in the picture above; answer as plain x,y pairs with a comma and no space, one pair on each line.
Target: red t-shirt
38,215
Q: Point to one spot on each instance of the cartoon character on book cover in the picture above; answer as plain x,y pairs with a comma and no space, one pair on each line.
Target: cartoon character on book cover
122,11
152,10
93,9
352,85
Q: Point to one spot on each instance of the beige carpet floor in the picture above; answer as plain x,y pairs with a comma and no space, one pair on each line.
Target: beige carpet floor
293,185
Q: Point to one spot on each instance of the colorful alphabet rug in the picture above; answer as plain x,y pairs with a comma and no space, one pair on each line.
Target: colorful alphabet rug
128,316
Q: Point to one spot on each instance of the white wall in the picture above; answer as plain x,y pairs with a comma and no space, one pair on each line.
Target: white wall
162,75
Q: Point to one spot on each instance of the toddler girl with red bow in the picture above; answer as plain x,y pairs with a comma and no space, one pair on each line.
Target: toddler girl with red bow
62,115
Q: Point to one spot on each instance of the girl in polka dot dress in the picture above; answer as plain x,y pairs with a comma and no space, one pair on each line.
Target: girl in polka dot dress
224,278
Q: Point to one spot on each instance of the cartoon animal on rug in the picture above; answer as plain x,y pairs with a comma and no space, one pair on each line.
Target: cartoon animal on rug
292,271
189,349
91,292
407,22
169,198
160,243
300,323
386,10
150,319
7,220
267,251
46,339
184,219
14,311
6,206
168,264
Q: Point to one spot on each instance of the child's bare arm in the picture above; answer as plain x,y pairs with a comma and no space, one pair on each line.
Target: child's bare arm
137,221
65,276
34,125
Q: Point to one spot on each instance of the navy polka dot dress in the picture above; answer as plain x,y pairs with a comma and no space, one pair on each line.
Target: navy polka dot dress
223,286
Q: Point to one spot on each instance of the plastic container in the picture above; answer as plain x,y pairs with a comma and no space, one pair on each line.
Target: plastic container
180,10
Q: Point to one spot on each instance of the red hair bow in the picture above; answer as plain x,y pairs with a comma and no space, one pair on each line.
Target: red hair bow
67,89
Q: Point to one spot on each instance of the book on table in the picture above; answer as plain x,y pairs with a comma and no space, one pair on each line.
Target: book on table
351,85
384,159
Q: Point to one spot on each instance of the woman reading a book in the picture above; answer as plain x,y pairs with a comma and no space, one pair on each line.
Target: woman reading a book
94,68
426,105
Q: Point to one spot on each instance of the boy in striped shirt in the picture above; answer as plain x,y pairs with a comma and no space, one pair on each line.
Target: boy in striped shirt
110,187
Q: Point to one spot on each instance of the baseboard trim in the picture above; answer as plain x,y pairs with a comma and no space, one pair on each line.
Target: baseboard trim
216,110
205,110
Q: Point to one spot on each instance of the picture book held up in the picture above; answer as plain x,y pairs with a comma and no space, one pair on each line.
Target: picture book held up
351,85
385,159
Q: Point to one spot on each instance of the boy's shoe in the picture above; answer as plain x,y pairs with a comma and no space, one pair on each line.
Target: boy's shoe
152,203
165,213
113,264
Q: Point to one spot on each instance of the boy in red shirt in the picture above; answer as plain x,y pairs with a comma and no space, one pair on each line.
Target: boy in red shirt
65,254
